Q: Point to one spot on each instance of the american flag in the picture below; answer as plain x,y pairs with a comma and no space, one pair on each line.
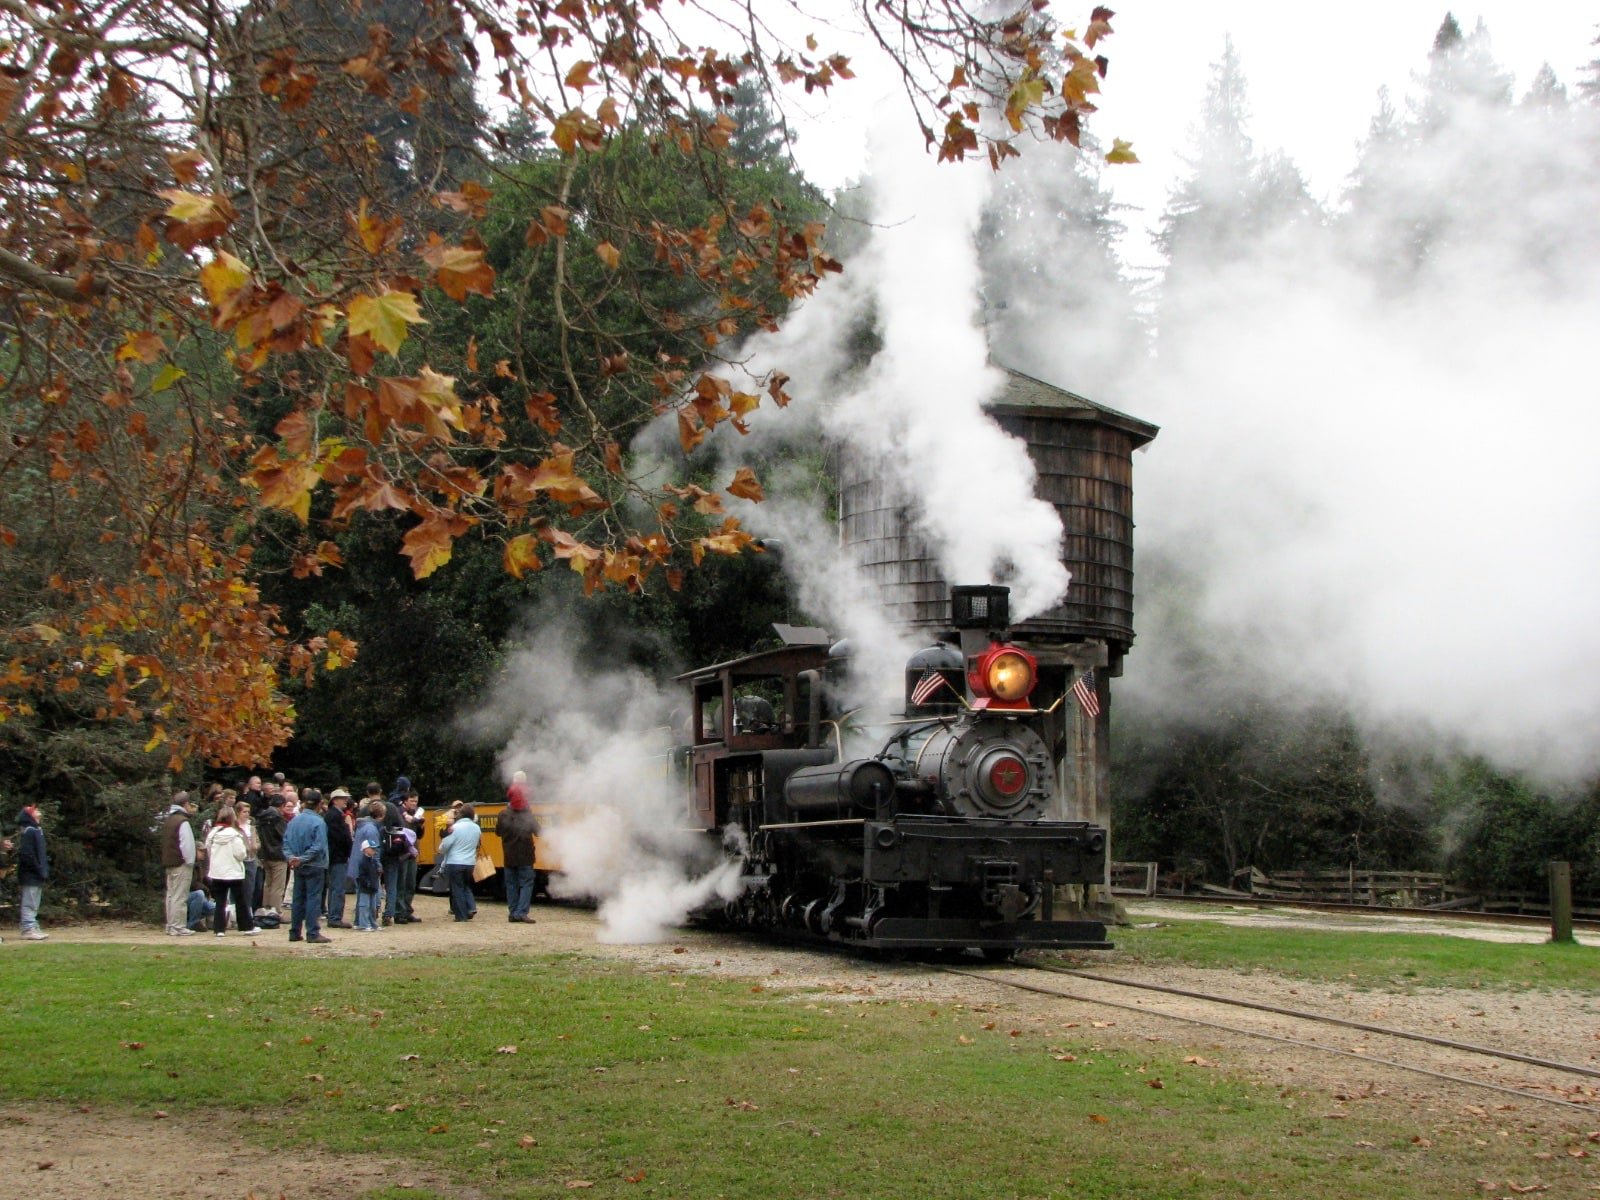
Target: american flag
1088,698
927,686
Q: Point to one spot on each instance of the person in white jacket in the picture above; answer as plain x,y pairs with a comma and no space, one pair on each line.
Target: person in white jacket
226,853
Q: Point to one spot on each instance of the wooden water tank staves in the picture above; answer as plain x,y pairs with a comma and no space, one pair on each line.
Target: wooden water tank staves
1082,452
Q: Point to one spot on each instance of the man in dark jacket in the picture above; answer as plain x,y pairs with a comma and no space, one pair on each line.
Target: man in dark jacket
270,825
337,818
517,828
393,838
33,871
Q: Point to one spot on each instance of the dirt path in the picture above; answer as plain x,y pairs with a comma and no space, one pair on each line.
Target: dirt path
74,1154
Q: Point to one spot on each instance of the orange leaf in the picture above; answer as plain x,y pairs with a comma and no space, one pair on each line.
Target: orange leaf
459,270
428,546
608,254
522,555
746,486
580,75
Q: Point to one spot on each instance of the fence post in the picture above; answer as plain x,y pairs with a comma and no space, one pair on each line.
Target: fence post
1561,902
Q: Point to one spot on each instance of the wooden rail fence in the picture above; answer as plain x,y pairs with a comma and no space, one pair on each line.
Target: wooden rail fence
1375,889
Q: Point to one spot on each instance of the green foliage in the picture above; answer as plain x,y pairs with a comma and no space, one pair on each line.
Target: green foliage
1254,784
98,794
1507,832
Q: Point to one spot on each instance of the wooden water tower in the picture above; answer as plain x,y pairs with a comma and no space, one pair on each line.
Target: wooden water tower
1083,454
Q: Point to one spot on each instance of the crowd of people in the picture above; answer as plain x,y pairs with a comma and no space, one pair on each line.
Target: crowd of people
271,849
243,857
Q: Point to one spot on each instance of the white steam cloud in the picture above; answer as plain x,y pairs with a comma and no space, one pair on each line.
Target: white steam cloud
1374,465
594,741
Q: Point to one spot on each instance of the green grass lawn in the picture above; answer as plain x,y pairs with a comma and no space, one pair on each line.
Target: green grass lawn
679,1085
1363,959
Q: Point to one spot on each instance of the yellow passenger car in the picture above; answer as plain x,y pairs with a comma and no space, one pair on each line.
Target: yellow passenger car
438,824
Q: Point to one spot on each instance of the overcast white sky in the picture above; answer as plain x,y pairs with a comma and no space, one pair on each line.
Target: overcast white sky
1314,70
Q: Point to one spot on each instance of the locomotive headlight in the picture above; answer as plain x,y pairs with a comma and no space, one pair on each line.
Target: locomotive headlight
1009,675
1003,676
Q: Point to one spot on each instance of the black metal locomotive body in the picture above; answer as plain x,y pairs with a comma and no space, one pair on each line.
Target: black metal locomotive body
946,836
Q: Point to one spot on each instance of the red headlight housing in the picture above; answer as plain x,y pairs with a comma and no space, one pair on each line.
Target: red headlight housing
1003,676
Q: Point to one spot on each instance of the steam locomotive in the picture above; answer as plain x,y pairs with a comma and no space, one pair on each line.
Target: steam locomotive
944,833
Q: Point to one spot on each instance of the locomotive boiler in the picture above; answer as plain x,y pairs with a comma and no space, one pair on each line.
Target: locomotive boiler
945,831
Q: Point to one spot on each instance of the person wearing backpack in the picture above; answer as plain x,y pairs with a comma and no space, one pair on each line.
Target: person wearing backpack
394,845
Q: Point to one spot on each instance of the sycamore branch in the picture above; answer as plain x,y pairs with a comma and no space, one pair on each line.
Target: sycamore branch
62,287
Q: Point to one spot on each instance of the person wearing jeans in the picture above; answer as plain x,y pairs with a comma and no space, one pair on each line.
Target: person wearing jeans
363,866
305,849
33,871
517,827
458,852
337,819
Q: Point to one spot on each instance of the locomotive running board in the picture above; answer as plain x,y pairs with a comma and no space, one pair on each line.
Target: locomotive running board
891,932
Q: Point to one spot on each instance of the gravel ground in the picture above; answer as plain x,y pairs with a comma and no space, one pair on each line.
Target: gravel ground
69,1154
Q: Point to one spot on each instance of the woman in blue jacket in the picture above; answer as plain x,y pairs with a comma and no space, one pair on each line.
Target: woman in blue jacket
365,866
459,854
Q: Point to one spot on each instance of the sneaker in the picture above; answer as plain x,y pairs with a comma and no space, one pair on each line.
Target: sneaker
180,933
251,932
222,935
35,935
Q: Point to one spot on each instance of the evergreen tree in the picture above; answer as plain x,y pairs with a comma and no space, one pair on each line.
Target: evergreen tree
1546,91
1057,303
1234,203
1589,85
759,138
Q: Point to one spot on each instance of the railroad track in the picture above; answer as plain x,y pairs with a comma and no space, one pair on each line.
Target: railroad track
1569,1071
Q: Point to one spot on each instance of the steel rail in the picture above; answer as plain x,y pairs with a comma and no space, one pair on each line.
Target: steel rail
1345,1022
1283,1039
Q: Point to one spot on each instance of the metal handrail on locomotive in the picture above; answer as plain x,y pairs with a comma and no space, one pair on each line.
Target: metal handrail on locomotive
947,835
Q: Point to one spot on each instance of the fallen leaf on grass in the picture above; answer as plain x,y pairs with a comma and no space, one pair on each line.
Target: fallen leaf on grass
133,1045
527,1142
579,1183
411,1058
315,1078
742,1105
1532,1187
679,950
1419,1140
1098,1119
45,1165
1154,1083
397,1108
505,1049
964,1040
1065,1057
160,1114
438,1128
1194,1060
636,1177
